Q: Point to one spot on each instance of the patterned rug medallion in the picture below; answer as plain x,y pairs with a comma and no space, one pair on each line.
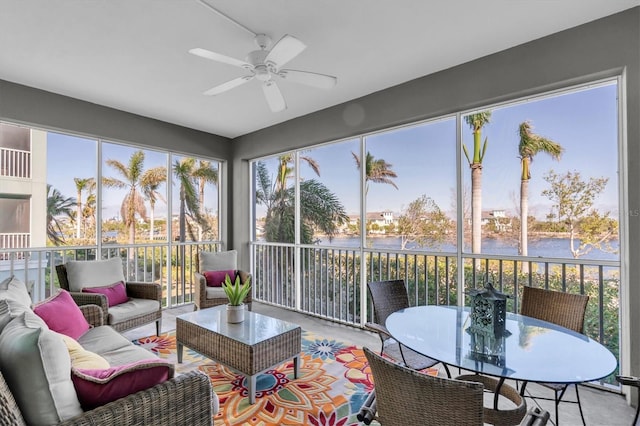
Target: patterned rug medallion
333,383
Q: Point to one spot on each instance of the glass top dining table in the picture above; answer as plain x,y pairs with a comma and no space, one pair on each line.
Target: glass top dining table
534,350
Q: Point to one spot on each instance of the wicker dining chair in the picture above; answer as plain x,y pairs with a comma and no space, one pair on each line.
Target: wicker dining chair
407,397
564,309
388,297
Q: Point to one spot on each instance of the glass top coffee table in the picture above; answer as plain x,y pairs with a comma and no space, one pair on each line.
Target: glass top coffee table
250,347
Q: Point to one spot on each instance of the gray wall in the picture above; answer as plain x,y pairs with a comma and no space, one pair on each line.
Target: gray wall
605,47
26,105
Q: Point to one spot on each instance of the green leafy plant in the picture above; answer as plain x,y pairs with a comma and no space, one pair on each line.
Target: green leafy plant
236,291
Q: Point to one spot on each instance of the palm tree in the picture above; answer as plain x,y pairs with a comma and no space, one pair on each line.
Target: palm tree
285,168
189,206
133,176
149,184
320,209
81,186
204,173
476,122
530,145
376,170
57,205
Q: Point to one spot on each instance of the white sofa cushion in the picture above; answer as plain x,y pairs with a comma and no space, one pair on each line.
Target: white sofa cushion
94,273
36,365
218,261
13,288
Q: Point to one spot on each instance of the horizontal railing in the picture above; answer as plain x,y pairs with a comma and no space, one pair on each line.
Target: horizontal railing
15,163
331,283
170,265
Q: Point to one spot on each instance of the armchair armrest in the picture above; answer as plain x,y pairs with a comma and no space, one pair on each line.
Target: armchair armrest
82,299
380,329
140,290
184,400
93,314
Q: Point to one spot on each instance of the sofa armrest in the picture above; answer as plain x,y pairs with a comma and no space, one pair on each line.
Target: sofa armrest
82,299
93,314
184,400
140,290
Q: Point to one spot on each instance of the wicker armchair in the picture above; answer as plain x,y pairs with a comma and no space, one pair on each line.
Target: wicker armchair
564,309
208,297
187,399
135,291
388,297
403,396
406,397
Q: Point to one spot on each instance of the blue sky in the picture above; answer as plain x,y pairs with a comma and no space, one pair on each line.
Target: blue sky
583,122
424,156
69,157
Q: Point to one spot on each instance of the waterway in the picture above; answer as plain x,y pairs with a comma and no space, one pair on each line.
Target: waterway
543,247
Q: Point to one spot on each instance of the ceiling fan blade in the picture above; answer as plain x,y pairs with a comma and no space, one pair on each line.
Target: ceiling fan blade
287,48
228,85
321,81
274,96
207,54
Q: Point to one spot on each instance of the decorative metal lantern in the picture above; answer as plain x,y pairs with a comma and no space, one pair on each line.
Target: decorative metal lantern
488,312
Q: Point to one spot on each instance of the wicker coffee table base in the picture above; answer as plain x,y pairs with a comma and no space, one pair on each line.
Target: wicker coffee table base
247,359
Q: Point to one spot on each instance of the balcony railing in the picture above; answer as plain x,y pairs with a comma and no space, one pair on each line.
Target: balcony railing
331,284
15,163
170,265
13,240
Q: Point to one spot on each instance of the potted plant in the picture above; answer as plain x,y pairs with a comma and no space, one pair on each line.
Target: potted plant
236,293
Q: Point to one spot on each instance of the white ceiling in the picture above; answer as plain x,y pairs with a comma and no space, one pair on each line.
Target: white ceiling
132,54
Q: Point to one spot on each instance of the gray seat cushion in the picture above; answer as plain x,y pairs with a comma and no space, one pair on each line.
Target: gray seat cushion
103,339
131,309
215,293
127,355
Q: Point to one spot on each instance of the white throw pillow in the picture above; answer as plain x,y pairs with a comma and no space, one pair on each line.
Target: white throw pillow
37,367
15,290
218,261
94,273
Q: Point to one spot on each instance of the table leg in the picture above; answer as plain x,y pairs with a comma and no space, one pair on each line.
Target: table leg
179,348
251,388
296,366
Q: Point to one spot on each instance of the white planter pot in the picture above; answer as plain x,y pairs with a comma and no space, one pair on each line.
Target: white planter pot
235,314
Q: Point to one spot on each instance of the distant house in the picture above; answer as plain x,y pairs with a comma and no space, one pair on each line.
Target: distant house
497,218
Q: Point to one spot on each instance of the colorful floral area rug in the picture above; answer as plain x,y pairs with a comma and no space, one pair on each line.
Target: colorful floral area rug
334,380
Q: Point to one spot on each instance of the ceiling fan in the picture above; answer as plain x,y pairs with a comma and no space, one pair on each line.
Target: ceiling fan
263,65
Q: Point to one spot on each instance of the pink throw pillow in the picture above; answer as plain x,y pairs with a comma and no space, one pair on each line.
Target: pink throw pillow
116,293
98,387
216,278
62,315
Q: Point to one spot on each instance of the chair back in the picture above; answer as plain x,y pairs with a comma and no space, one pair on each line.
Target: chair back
407,397
564,309
61,270
387,297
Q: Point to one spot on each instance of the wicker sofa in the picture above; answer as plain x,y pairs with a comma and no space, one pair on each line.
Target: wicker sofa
187,399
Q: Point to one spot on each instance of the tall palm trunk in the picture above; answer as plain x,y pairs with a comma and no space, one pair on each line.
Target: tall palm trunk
524,223
476,208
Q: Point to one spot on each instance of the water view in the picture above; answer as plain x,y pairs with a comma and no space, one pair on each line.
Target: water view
543,247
